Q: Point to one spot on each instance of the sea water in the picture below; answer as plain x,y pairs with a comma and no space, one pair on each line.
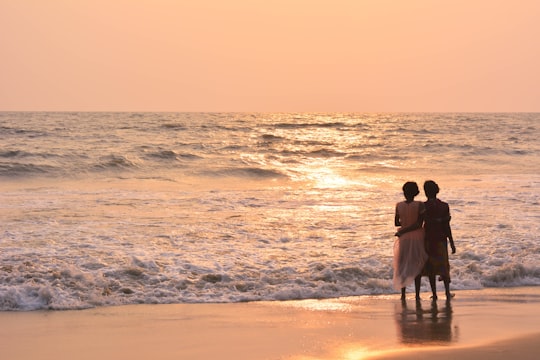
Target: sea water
100,209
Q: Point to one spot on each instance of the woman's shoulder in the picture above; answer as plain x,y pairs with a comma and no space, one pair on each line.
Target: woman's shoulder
436,201
437,206
442,203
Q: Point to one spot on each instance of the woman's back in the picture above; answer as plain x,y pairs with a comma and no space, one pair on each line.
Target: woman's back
408,212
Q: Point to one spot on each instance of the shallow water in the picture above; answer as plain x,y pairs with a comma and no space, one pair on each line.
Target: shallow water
119,208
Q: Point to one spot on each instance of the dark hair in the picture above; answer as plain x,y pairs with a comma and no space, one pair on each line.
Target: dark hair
410,189
431,188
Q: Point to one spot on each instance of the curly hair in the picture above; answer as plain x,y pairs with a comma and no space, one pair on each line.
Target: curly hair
431,188
410,189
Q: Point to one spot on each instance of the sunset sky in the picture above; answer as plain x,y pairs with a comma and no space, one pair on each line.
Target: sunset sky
281,55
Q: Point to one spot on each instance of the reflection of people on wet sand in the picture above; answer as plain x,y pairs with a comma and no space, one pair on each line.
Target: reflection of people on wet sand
421,327
437,232
409,252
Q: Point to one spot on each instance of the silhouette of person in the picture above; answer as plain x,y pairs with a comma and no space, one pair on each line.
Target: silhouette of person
409,252
437,235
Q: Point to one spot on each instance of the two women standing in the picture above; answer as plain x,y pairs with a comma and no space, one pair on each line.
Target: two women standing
422,250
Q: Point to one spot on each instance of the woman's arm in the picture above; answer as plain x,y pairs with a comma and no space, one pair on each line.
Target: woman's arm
396,218
445,220
438,220
448,232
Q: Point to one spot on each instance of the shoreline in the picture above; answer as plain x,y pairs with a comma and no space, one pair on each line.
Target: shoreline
481,324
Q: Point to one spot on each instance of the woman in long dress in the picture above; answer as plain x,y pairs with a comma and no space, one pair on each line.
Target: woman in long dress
409,251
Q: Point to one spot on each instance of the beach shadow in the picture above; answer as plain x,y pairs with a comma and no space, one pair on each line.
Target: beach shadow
419,326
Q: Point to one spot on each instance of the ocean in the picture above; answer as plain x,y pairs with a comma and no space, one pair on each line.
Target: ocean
103,209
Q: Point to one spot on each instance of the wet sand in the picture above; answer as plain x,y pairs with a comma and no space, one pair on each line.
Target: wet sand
483,324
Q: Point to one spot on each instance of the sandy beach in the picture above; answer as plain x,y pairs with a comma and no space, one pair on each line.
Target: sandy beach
483,324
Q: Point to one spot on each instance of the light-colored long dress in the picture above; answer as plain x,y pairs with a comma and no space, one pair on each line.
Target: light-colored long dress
409,250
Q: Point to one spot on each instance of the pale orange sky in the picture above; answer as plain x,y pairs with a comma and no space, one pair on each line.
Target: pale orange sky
281,55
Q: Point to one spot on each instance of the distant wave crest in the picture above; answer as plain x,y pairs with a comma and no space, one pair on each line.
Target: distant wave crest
172,155
309,125
117,162
15,169
248,172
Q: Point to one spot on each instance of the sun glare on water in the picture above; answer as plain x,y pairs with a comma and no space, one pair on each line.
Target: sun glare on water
323,175
327,178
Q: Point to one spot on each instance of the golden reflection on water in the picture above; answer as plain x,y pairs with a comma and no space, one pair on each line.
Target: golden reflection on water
422,326
319,305
325,174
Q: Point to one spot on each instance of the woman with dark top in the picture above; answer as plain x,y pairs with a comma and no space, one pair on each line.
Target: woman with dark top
409,252
437,235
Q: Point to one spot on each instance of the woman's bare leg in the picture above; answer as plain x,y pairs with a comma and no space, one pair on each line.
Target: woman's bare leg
433,283
417,284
